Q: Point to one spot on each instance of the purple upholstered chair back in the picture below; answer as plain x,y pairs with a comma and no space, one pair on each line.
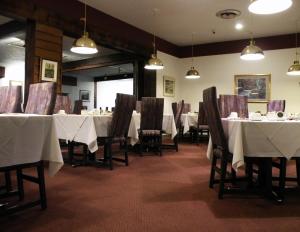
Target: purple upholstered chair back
63,103
233,103
186,108
78,107
276,105
10,99
152,113
202,120
14,99
213,119
122,115
179,111
138,106
3,98
41,98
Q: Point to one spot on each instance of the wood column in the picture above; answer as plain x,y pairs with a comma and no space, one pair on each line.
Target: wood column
42,42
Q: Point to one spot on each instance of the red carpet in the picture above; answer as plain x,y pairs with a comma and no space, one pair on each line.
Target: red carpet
158,194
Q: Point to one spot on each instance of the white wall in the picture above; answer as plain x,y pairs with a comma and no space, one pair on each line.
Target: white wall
15,71
172,69
82,84
219,71
107,91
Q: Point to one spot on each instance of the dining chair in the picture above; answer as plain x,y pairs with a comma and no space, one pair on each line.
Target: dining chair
220,149
150,132
118,131
77,107
186,108
276,105
233,103
201,129
41,98
174,108
138,106
63,103
11,99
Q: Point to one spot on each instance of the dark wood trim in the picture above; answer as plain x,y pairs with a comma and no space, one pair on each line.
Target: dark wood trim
229,47
68,80
12,28
114,77
99,62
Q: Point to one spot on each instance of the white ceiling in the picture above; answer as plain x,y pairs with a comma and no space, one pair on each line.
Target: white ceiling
178,19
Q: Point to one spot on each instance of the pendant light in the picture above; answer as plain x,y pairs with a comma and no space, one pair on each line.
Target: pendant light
154,63
269,6
252,52
192,73
294,69
84,45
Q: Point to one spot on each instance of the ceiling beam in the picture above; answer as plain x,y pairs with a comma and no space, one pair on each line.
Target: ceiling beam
97,62
114,77
12,28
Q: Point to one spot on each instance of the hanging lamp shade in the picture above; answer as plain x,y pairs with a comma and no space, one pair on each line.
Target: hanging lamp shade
294,69
154,63
84,45
192,74
269,6
252,52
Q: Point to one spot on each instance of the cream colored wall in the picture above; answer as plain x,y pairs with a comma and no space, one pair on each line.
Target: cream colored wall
172,69
219,71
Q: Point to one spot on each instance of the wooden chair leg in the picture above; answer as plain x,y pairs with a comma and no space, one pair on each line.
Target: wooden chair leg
20,184
233,176
212,172
42,188
222,178
126,152
282,176
176,142
249,173
298,170
8,185
110,155
160,144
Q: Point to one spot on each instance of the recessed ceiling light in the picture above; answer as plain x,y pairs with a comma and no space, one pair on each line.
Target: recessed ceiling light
269,6
239,26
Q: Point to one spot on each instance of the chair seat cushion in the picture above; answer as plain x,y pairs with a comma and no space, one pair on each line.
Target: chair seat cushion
150,132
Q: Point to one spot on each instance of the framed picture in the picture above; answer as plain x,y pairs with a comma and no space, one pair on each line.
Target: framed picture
256,87
84,95
49,70
169,86
15,83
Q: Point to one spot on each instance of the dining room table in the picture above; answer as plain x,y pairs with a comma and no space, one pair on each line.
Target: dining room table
189,120
29,140
263,138
88,127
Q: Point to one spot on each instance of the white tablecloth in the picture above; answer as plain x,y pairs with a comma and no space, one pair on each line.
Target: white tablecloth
86,128
189,120
168,126
78,128
28,139
261,139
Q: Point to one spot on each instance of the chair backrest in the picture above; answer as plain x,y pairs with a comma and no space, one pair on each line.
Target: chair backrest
63,103
41,98
77,107
202,119
213,118
152,113
180,107
14,100
276,105
186,108
138,106
242,105
122,114
233,103
174,108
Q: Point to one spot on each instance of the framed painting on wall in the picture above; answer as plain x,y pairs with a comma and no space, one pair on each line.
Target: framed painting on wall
169,86
84,95
49,70
257,87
